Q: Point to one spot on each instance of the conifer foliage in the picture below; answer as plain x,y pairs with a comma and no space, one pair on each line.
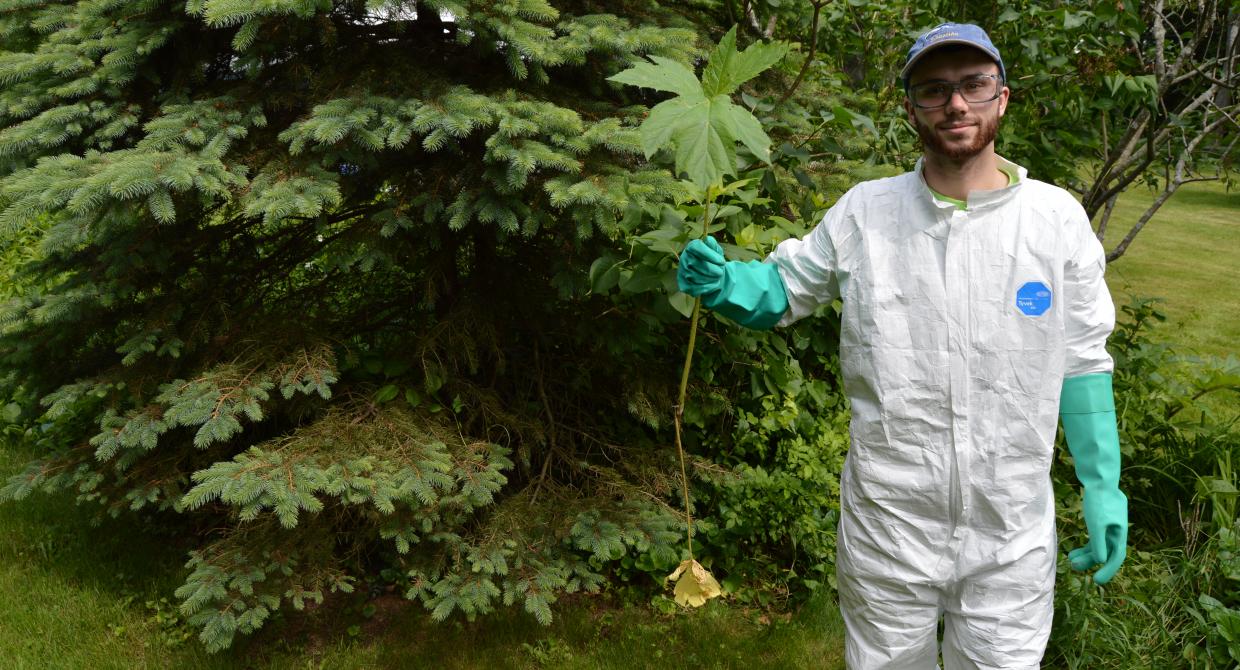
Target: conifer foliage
313,275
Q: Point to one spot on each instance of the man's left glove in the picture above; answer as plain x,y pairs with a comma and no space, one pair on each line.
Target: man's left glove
751,294
1087,408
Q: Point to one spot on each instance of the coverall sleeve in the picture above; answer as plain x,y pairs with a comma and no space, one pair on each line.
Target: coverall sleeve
1089,314
807,266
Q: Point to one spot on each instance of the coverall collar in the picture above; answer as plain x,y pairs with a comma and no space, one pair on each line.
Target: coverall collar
977,200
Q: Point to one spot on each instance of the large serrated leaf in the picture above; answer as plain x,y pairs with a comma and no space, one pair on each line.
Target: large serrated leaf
664,74
715,78
749,131
702,125
667,118
727,69
705,150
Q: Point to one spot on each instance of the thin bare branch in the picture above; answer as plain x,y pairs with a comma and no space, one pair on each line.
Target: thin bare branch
809,58
1205,65
1228,116
1144,219
1172,185
1106,218
1206,17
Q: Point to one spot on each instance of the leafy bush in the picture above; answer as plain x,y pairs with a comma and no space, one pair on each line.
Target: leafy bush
1176,602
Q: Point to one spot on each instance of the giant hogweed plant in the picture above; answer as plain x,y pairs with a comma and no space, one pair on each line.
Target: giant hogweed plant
700,126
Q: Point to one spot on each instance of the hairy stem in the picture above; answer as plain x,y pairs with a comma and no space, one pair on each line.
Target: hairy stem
684,382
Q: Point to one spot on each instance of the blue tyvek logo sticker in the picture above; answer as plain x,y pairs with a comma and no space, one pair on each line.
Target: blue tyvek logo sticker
1033,299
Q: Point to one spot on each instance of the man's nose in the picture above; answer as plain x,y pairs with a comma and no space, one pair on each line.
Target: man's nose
956,102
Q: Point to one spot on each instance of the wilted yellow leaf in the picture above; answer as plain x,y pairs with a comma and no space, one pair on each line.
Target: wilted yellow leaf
694,585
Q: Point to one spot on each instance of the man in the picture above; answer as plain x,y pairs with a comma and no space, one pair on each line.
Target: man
974,313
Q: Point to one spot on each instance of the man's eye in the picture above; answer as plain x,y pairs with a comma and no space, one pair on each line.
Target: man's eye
934,90
975,85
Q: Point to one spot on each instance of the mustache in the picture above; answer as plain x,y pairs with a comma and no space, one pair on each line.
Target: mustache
988,129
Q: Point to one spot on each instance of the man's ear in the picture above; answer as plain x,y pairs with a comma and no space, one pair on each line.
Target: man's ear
908,109
1003,100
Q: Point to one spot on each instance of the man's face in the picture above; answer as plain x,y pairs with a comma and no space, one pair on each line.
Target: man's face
958,130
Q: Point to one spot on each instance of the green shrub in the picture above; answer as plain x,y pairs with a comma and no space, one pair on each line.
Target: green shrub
1176,601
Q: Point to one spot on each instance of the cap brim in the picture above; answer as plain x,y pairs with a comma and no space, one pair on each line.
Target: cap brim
908,67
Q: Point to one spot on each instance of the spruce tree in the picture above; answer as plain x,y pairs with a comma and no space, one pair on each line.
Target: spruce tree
313,276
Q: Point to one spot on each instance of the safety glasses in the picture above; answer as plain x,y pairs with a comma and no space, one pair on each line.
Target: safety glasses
976,89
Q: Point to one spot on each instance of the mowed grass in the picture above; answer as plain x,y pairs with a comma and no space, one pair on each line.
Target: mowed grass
1188,254
83,597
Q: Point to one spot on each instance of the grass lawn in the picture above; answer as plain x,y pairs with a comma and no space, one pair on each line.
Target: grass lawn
1188,254
80,597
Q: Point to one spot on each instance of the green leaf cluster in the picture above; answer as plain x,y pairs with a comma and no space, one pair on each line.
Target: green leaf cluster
701,123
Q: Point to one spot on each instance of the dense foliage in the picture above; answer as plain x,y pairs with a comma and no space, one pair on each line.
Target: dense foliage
1176,601
268,296
384,291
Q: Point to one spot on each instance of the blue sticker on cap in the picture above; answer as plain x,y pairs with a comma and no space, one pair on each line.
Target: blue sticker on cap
1033,299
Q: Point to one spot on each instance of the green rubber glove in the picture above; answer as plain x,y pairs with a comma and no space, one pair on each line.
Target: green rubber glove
751,294
1087,408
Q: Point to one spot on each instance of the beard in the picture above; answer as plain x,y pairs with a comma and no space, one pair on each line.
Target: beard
987,130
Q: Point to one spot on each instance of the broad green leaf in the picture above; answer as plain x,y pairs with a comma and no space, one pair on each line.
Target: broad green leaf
727,69
719,65
1113,82
751,62
1215,486
1071,20
731,187
747,235
640,279
386,393
665,240
604,274
681,302
738,253
413,397
702,129
1031,46
749,131
664,74
856,119
706,150
667,118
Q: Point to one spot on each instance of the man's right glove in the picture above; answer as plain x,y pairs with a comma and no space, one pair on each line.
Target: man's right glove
1087,408
751,294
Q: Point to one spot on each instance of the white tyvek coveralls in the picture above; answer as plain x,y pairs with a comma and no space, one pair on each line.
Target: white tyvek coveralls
946,501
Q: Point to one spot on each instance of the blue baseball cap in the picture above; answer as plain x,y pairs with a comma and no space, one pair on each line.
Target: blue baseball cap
951,33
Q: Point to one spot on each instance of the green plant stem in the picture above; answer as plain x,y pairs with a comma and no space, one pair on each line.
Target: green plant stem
684,382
